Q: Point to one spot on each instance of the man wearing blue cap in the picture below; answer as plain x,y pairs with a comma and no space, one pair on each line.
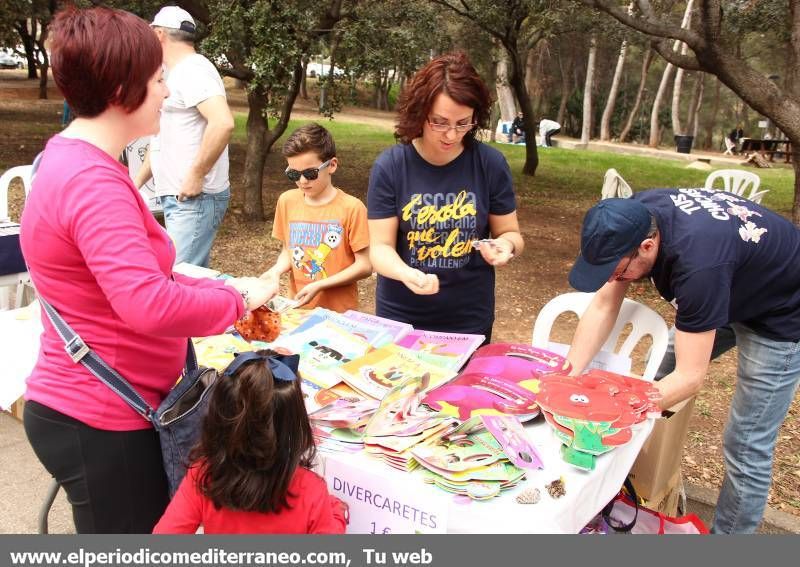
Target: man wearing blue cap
732,270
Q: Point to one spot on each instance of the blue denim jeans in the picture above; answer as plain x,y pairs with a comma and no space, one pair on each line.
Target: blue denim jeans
766,382
193,224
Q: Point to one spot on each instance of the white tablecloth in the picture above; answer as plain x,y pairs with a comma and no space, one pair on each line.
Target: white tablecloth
19,348
383,498
586,492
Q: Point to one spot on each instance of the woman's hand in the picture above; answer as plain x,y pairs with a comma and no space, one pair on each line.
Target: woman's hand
497,252
421,283
255,292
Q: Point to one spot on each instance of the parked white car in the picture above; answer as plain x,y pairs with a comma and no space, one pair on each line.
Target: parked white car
9,61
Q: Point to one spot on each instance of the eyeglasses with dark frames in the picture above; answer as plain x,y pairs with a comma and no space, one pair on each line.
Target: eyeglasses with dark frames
445,127
619,277
310,174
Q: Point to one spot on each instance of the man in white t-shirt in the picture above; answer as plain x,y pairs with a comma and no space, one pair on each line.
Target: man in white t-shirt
547,129
188,159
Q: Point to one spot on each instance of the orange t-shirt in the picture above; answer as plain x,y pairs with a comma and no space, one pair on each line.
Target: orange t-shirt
322,241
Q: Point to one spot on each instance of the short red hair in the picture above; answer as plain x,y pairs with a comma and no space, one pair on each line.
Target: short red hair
452,74
102,57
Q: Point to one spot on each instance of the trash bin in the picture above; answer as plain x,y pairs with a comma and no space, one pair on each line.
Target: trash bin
684,144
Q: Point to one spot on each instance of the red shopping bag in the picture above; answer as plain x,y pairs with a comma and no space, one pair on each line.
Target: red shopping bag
624,514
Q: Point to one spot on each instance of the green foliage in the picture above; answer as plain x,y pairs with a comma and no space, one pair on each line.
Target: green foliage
388,35
762,17
262,41
580,173
573,176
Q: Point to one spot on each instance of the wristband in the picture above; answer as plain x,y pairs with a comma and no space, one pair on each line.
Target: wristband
246,298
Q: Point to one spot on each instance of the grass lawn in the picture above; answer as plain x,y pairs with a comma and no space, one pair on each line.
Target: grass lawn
560,173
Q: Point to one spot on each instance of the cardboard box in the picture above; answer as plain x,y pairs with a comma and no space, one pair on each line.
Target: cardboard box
669,503
656,471
16,409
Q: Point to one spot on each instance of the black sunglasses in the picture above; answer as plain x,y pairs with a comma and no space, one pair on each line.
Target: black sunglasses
310,174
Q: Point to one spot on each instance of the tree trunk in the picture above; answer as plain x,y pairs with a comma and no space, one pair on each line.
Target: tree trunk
796,167
532,83
390,77
708,143
608,111
677,125
28,44
260,140
648,59
41,42
303,86
505,97
376,91
586,129
565,89
694,106
256,153
655,126
516,78
326,83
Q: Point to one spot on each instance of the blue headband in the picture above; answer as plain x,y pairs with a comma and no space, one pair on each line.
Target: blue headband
283,367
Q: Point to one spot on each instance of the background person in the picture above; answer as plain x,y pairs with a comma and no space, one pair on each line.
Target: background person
732,140
727,264
435,194
251,471
97,255
517,134
323,229
188,160
548,129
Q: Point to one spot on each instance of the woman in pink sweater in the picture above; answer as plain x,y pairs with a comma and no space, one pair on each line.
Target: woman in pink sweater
98,256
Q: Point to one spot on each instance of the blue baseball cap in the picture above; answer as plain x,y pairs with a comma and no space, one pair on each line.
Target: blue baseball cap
611,230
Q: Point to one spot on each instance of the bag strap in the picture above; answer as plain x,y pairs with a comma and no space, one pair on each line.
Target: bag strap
614,524
81,353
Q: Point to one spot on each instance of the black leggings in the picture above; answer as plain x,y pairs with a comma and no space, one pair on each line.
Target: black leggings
549,135
114,480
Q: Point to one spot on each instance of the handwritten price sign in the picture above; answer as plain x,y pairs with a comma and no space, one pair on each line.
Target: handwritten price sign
386,501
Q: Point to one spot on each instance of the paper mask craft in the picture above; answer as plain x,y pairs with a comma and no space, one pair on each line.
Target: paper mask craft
540,360
259,325
593,413
515,442
471,395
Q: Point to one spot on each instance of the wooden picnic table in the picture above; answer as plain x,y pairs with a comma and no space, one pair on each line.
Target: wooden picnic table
768,148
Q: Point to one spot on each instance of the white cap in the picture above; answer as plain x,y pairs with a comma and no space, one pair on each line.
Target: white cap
175,18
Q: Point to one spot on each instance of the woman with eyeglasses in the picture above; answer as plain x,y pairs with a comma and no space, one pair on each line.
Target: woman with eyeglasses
441,206
100,259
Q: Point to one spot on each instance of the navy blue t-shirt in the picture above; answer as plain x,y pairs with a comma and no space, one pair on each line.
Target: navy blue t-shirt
724,259
441,211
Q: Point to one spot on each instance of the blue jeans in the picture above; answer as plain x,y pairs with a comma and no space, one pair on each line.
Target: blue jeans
193,224
767,378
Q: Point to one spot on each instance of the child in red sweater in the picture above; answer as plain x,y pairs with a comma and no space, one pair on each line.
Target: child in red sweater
250,472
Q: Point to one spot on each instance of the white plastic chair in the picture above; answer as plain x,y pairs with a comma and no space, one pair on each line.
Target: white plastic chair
644,321
21,171
615,186
738,182
25,173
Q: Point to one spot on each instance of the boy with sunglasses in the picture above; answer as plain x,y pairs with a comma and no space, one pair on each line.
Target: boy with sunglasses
323,229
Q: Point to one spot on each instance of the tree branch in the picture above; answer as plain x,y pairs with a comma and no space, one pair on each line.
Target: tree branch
471,17
648,23
688,62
